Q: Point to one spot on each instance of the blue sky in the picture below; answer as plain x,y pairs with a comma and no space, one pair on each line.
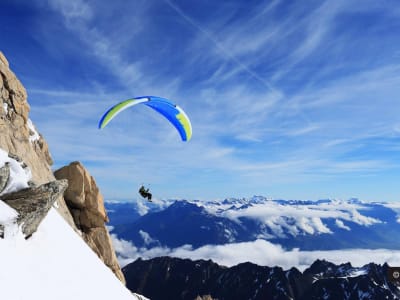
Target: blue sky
288,99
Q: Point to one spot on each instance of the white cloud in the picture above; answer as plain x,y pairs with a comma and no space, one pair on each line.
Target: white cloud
72,10
298,219
396,207
340,224
77,15
147,238
260,252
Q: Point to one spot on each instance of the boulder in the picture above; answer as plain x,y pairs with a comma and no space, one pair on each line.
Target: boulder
87,208
84,195
33,204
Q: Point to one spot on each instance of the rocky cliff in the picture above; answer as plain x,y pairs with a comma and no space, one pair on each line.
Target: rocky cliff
18,135
87,207
85,211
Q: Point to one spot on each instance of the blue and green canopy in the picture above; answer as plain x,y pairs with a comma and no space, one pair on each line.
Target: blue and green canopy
175,115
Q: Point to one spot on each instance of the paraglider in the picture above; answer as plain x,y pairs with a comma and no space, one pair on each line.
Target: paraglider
172,112
175,115
145,193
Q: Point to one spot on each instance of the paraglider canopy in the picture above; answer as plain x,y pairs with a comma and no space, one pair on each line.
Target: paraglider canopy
175,115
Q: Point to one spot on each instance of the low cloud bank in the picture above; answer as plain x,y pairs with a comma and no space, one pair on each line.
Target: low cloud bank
260,252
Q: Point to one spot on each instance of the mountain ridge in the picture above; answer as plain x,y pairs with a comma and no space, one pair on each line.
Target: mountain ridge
310,225
185,279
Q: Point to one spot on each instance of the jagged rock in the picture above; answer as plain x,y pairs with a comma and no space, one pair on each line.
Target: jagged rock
14,157
184,279
33,204
4,176
3,60
15,133
14,130
87,208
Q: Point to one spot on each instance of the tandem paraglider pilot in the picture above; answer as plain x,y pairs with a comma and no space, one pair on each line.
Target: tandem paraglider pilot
145,193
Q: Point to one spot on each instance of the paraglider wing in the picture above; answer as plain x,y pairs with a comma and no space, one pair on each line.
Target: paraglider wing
116,109
175,115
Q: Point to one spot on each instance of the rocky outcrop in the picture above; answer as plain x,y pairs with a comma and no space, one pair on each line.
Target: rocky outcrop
20,139
33,204
87,207
18,135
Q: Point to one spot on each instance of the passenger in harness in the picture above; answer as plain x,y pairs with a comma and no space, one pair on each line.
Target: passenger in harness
145,193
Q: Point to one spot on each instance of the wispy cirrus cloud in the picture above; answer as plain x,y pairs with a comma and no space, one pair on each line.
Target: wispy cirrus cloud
282,96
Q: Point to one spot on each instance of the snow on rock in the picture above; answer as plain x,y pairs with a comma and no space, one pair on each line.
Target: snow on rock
55,263
396,207
19,173
293,217
8,220
340,224
33,134
5,107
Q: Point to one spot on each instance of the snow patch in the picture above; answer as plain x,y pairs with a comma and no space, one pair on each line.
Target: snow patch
293,218
395,207
5,107
340,224
33,134
357,272
19,174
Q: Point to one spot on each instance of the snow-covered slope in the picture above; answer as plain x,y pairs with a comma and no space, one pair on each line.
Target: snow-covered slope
55,263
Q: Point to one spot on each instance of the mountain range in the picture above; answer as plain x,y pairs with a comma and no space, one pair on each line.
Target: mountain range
186,279
308,225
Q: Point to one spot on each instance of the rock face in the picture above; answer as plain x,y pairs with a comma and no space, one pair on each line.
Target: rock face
18,135
33,204
87,207
16,131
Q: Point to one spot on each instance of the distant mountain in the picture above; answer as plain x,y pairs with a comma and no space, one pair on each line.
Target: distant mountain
179,224
185,279
128,212
121,213
309,225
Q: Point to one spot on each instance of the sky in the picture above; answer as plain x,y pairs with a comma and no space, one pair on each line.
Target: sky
287,99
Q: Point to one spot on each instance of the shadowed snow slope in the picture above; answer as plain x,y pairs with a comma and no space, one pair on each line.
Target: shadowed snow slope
55,263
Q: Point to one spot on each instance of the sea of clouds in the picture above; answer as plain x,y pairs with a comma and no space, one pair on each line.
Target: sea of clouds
259,252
